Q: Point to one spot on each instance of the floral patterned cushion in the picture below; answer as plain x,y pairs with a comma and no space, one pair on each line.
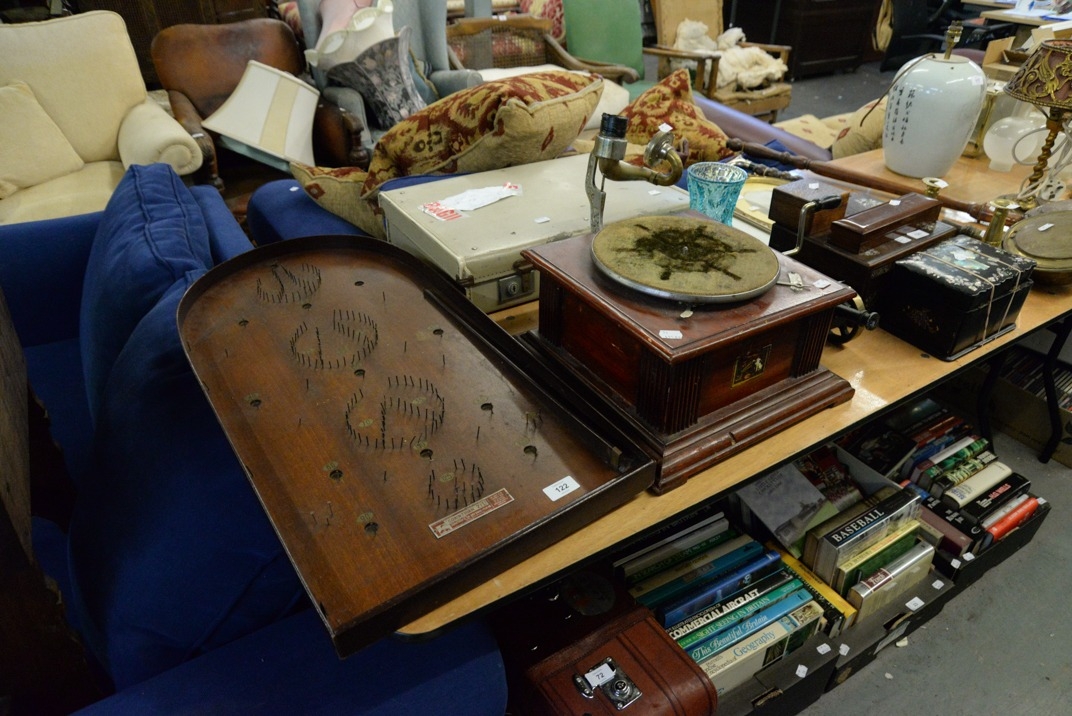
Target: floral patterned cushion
518,120
497,124
697,138
551,9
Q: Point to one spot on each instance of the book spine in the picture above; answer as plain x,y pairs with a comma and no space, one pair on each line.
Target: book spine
1000,529
864,530
815,534
737,664
689,567
894,568
676,553
893,580
975,446
760,603
959,473
675,530
707,648
1004,510
703,576
976,485
949,452
694,602
839,613
902,544
986,504
735,601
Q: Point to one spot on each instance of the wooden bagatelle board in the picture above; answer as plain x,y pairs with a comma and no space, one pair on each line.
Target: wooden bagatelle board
696,383
397,438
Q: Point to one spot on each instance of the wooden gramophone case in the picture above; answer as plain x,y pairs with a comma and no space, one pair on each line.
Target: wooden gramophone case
696,385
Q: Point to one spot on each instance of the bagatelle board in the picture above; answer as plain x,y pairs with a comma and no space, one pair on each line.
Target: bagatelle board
404,447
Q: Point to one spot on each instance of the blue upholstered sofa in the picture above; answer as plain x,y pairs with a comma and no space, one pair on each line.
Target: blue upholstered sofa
170,570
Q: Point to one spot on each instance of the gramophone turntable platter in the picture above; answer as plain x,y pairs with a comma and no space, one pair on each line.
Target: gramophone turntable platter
685,259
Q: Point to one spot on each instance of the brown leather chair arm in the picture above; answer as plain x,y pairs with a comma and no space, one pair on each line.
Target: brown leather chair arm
187,116
337,138
739,125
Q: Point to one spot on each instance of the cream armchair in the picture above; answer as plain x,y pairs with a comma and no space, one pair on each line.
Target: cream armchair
74,114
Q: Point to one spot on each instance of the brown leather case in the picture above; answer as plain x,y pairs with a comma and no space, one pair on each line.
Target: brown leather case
669,681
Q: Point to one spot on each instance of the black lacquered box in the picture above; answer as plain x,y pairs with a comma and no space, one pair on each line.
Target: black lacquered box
955,296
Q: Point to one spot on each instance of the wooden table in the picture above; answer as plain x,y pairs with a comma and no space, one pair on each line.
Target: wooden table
969,180
884,372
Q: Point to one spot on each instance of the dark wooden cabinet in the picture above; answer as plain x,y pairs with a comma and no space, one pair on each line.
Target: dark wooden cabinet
145,18
826,35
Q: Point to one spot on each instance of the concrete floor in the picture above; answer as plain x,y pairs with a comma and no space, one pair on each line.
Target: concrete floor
999,647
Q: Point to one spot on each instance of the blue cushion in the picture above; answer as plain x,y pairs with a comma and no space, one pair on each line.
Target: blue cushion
281,210
171,553
290,668
152,233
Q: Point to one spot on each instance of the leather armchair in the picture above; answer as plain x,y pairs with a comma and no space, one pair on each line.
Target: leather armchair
200,66
85,79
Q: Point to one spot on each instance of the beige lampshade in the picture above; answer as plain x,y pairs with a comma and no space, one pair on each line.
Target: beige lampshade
269,117
1045,79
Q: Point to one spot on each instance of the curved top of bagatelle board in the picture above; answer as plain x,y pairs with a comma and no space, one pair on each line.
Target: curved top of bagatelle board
404,447
685,259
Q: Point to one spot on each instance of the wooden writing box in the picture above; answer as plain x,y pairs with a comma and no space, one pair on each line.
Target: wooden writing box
788,200
868,271
700,386
886,222
397,438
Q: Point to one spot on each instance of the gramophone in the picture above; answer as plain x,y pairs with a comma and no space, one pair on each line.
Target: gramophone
696,335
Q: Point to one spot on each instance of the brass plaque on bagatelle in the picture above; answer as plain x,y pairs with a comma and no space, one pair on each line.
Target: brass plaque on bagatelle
685,259
397,438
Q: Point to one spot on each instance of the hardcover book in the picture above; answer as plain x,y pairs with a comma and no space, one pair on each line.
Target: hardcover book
863,530
695,600
678,550
752,593
759,604
958,473
892,581
976,485
701,576
785,501
867,561
811,539
717,642
960,536
986,504
838,614
737,664
689,567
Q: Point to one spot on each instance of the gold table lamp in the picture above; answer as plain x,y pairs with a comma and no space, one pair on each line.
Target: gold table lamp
1045,80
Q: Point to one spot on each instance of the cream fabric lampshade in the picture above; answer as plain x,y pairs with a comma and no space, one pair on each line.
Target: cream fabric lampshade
269,117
